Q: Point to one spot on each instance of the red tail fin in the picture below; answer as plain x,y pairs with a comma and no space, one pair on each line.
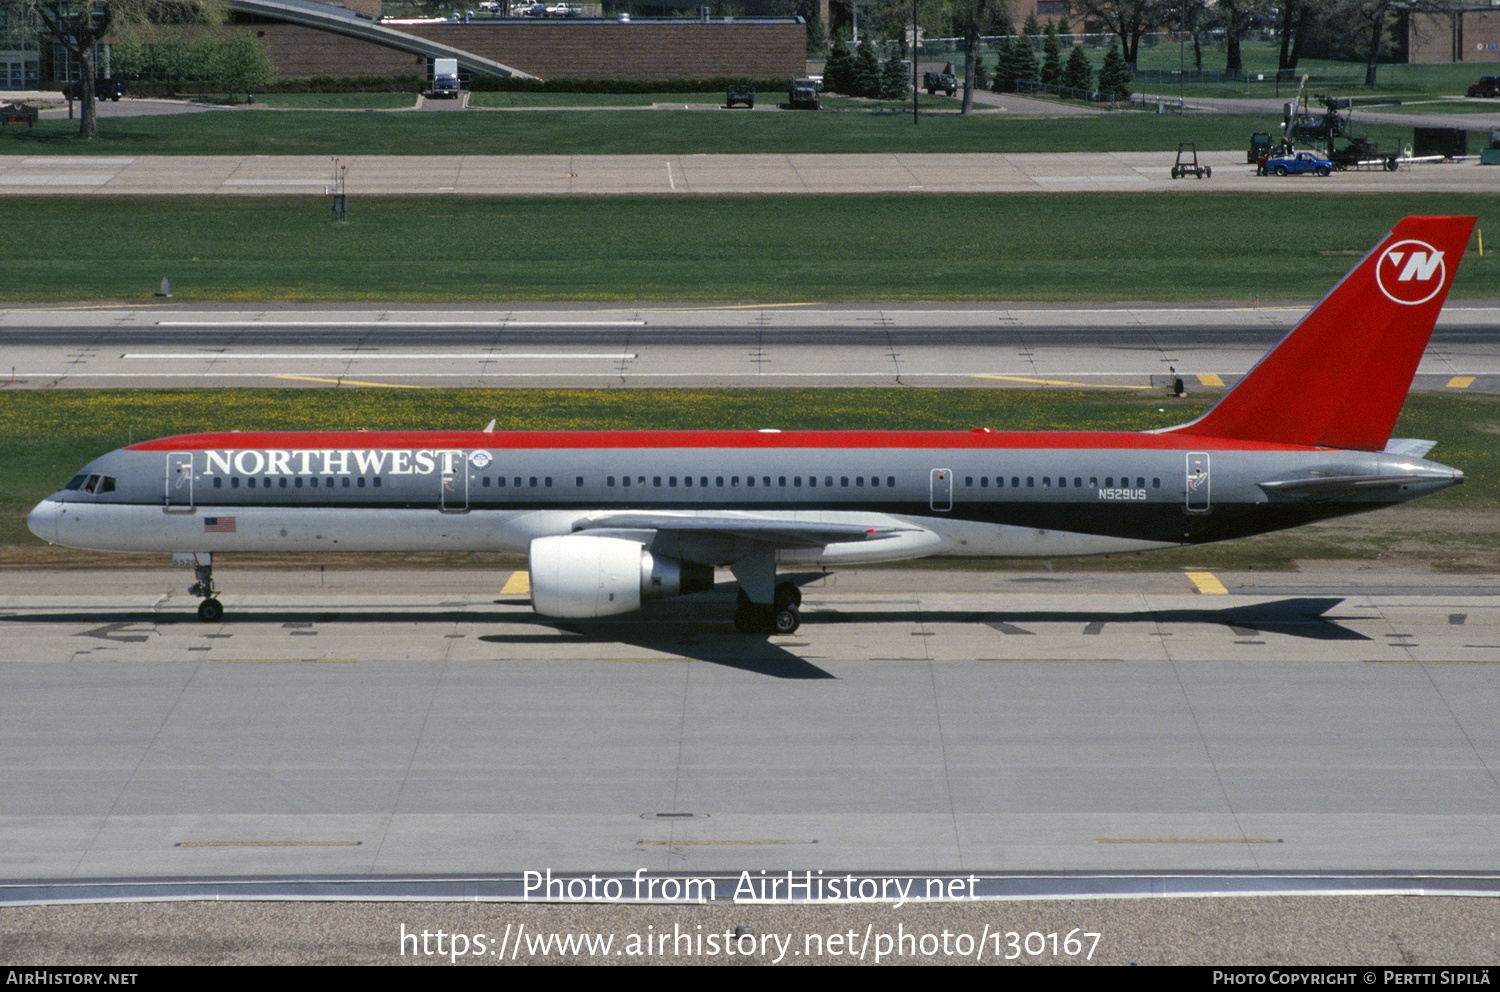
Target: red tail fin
1338,379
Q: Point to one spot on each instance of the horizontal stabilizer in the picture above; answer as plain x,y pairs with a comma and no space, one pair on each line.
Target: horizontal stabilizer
1411,447
1332,487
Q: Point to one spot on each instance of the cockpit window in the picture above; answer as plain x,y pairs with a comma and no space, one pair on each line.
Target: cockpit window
92,483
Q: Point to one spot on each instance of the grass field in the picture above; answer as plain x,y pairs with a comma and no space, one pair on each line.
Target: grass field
47,436
635,132
1101,247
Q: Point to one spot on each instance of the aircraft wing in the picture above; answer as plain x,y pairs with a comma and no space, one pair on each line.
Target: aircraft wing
768,531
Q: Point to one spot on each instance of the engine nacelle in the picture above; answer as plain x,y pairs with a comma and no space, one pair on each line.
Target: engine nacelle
576,576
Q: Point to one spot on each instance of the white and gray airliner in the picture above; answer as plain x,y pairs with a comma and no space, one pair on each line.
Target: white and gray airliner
611,519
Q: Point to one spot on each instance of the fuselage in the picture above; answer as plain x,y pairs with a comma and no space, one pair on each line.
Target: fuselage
980,493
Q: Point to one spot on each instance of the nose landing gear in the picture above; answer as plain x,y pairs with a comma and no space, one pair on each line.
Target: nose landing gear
210,610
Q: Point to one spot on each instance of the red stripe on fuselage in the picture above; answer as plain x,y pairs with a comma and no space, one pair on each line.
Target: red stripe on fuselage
541,440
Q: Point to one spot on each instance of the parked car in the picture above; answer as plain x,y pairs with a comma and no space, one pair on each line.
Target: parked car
1487,86
104,89
1299,164
739,94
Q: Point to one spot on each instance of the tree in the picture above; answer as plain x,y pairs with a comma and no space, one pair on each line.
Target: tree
1368,22
971,18
240,63
894,81
817,36
866,70
1017,64
1297,18
1079,72
1234,18
1128,20
838,72
1052,66
1114,75
80,25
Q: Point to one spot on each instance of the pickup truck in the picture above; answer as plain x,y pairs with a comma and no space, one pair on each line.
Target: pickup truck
1299,164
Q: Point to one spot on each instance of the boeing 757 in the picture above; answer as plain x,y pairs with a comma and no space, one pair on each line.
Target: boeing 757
611,519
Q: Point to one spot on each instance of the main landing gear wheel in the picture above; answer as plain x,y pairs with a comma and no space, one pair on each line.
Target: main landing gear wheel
780,618
756,618
210,610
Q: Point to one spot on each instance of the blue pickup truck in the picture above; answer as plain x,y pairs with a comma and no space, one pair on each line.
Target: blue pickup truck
1299,164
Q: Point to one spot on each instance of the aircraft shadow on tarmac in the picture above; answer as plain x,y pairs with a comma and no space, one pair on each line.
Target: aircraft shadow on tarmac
690,631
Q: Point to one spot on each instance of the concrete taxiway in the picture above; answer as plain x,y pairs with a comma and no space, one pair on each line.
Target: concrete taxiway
1130,347
686,175
428,722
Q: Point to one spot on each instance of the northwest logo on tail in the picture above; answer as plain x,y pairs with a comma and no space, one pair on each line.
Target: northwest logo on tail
1410,272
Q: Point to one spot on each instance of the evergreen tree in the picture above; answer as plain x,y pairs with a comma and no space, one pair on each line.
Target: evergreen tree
1114,75
1062,27
1079,73
1052,66
1032,27
817,38
981,74
1023,60
839,70
866,71
893,79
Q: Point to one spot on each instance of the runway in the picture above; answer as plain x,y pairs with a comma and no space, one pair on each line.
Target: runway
1130,347
411,722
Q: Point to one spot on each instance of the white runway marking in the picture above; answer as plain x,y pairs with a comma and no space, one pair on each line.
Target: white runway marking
343,356
383,322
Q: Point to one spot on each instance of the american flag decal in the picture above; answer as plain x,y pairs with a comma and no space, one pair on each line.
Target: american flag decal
218,525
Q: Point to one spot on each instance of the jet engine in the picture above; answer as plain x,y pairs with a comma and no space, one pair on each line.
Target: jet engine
576,576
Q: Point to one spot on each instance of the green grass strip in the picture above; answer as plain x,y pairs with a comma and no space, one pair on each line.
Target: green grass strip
639,132
1087,247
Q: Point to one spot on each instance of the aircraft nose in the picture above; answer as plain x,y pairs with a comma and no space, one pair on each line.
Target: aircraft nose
43,520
